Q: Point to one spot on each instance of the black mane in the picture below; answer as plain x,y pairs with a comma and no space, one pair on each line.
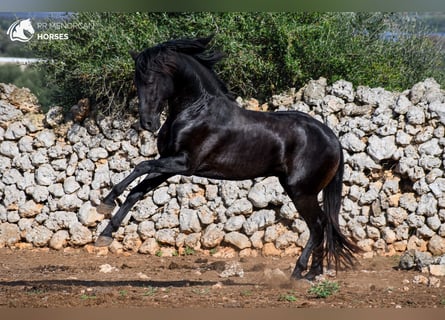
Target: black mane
197,49
161,58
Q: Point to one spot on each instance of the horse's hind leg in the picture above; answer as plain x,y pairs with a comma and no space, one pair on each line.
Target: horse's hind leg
309,209
134,196
317,259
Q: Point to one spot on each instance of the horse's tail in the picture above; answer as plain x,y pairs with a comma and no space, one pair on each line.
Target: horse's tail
338,249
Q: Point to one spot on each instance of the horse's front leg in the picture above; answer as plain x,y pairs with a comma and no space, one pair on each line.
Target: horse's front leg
108,204
154,169
136,194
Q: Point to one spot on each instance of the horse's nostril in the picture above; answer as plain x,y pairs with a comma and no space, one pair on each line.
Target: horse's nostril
146,124
149,125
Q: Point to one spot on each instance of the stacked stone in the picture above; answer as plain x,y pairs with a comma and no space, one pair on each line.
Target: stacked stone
394,195
53,173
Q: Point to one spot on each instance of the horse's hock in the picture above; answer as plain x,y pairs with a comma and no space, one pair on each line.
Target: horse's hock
53,173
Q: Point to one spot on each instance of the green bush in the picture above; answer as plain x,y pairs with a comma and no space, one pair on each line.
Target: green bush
324,289
266,53
353,46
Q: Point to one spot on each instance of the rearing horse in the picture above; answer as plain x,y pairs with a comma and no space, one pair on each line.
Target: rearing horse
207,134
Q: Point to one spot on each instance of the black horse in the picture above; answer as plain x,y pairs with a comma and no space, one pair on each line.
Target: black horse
207,134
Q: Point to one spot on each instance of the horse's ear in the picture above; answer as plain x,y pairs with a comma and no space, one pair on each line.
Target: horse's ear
133,54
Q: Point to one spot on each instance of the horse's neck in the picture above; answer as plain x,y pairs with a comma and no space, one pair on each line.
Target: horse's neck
199,76
182,101
191,89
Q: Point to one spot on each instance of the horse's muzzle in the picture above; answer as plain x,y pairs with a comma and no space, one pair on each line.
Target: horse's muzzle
151,125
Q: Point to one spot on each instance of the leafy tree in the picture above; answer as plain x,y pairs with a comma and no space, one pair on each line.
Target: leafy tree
265,52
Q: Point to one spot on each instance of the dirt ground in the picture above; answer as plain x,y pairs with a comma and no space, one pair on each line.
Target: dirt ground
76,278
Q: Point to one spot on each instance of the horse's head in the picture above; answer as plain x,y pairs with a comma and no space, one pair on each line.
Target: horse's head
154,83
156,69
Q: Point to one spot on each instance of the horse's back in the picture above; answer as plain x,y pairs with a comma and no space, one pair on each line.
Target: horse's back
299,129
233,143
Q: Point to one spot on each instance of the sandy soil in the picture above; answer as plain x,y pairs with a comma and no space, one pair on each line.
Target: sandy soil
76,278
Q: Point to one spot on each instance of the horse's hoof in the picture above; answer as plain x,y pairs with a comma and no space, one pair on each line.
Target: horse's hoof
297,275
103,241
310,276
105,209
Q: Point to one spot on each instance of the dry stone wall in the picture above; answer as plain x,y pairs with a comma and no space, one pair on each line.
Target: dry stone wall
54,172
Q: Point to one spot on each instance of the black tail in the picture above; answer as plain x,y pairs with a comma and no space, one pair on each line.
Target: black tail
338,249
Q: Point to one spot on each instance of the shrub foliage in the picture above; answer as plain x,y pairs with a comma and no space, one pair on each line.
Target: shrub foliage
265,52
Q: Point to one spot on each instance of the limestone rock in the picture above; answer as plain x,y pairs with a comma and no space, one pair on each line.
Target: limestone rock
80,235
9,234
188,221
314,91
88,215
239,240
381,148
213,235
39,236
267,191
344,90
59,240
149,246
436,245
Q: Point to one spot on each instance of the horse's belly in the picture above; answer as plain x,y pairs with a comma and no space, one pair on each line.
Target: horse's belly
240,165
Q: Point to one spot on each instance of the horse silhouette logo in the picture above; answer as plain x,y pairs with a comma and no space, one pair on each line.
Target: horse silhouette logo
21,30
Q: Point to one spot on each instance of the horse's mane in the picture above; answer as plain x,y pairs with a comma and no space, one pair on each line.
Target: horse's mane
161,57
197,49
